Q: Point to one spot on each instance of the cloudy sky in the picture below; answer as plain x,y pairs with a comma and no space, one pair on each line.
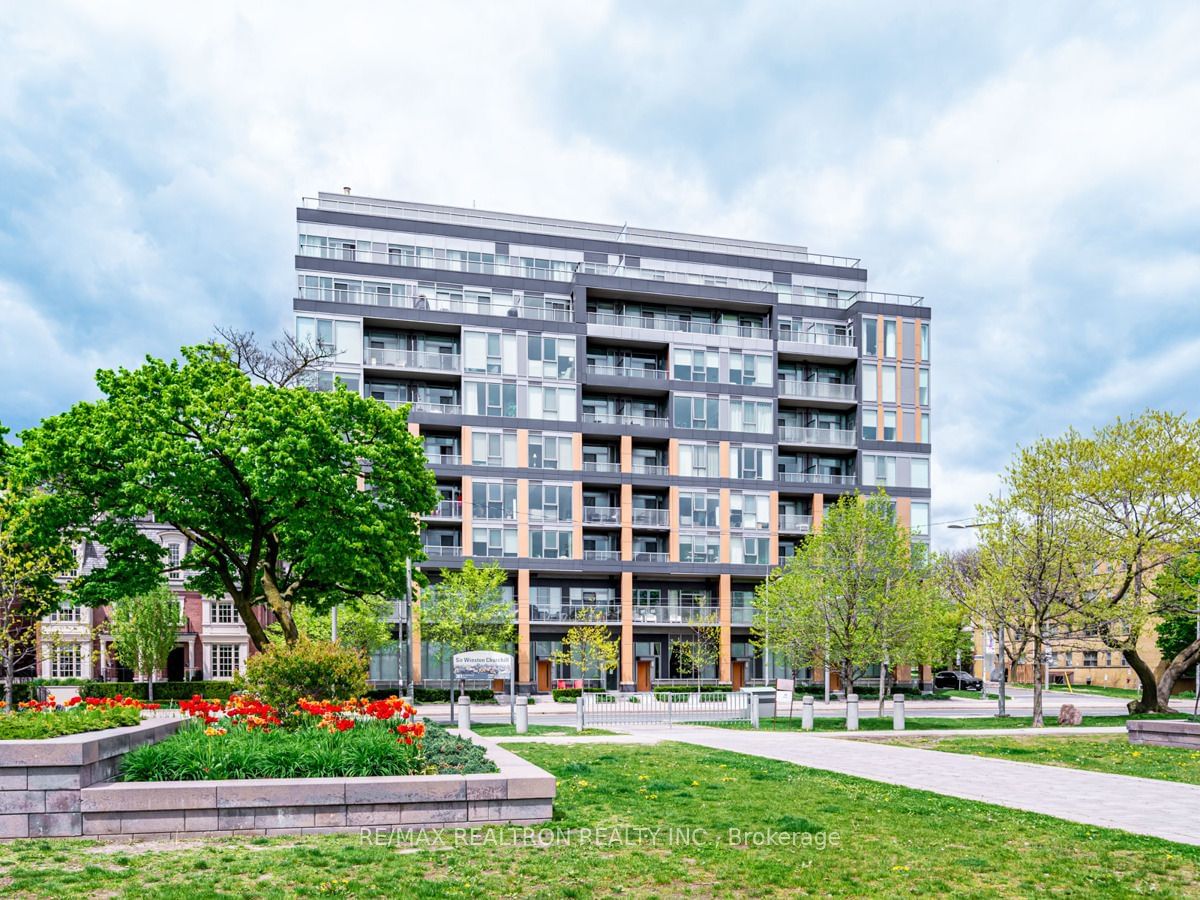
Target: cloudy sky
1034,173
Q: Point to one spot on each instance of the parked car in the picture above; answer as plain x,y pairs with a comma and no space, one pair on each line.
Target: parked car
958,681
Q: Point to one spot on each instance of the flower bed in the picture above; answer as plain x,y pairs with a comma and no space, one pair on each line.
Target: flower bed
245,738
42,719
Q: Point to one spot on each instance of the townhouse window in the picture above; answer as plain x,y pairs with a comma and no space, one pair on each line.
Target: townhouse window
752,415
751,551
66,614
550,544
919,473
888,390
870,384
889,424
696,365
67,661
870,327
696,412
1090,659
494,448
490,352
924,340
889,338
555,404
223,612
550,502
174,554
701,548
749,510
923,387
494,542
749,368
699,460
551,357
550,451
226,660
870,424
494,499
700,510
491,398
750,462
919,518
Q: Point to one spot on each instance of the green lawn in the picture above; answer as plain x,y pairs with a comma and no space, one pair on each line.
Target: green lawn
890,841
869,722
1120,693
1099,753
493,730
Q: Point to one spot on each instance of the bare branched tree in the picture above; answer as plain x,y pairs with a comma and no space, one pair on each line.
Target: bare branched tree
284,362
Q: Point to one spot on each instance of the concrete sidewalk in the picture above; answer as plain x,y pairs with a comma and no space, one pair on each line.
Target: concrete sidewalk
1162,809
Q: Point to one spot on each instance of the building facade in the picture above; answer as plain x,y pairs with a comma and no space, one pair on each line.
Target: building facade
637,424
213,643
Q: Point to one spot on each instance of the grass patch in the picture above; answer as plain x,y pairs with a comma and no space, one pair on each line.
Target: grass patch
892,842
915,723
494,729
1102,690
32,725
1096,753
370,748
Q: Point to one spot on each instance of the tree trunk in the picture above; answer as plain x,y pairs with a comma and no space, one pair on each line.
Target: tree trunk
8,682
847,679
258,636
150,685
1148,702
281,608
1039,663
1185,660
883,679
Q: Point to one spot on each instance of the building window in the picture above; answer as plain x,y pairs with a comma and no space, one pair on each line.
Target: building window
699,510
490,352
923,387
880,470
919,477
491,398
494,448
549,502
67,661
920,518
554,404
888,391
1089,659
870,424
224,613
889,425
699,460
696,412
550,451
494,542
699,548
750,462
749,368
870,327
494,499
889,338
751,415
549,544
66,614
924,341
551,357
870,384
174,554
226,660
696,365
750,551
926,433
749,510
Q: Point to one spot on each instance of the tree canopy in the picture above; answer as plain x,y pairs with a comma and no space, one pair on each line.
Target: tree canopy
467,609
287,496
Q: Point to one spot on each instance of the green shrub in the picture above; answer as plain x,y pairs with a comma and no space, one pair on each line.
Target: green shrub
163,690
319,670
442,695
370,749
24,726
565,695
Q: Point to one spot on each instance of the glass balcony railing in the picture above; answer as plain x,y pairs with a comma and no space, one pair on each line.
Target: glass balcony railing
815,338
687,326
608,555
651,556
816,478
434,551
443,459
819,437
626,371
447,509
657,518
676,615
430,360
612,418
815,390
602,515
435,303
444,409
795,522
600,465
642,468
584,612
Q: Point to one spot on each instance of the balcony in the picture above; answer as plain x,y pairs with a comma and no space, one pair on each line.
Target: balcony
684,326
651,556
601,466
641,468
601,515
676,615
816,390
817,437
423,302
612,418
741,615
583,612
602,555
443,459
824,338
652,518
795,523
815,478
447,509
426,360
434,551
442,409
626,372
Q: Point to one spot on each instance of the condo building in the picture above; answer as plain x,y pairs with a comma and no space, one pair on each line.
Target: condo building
636,424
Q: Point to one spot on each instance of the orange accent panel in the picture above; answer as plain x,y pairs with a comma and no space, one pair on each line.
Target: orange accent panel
627,522
818,511
627,673
523,647
673,456
577,450
723,459
523,448
904,511
627,453
464,444
414,428
725,607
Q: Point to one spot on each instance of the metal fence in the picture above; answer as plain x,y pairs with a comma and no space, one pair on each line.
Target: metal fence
665,707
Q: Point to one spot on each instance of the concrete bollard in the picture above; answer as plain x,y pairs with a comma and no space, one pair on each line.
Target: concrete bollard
522,715
579,714
806,714
852,712
755,720
898,712
464,714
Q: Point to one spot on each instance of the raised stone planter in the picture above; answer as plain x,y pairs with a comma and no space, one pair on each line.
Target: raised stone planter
63,787
41,781
1164,733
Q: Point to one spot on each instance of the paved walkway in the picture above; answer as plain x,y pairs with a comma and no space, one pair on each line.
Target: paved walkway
1140,805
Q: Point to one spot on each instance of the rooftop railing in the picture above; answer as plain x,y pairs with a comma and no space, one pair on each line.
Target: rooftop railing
440,262
587,230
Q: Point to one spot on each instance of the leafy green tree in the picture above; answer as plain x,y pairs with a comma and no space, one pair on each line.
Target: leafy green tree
590,647
144,629
701,649
32,559
266,482
467,610
1177,602
361,624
